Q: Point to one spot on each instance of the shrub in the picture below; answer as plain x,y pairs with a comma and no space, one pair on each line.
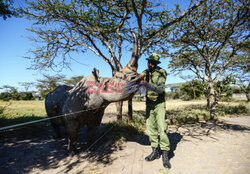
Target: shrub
239,109
124,130
197,113
1,110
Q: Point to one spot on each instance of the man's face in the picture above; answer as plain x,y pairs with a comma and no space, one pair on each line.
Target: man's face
151,65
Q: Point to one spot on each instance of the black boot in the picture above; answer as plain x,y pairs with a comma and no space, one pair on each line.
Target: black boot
165,159
154,155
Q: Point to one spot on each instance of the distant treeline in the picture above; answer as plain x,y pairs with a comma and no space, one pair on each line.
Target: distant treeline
6,96
191,90
42,88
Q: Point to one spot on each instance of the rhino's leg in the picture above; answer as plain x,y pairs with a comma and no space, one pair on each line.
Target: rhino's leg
91,132
93,125
72,128
56,128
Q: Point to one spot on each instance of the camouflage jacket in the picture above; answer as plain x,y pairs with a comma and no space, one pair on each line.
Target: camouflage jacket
155,90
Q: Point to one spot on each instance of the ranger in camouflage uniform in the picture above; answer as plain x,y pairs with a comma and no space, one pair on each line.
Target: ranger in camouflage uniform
154,79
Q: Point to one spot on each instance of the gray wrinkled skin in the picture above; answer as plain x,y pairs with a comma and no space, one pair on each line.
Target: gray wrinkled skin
91,106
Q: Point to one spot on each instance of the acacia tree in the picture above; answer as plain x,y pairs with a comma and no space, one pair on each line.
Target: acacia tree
243,81
6,9
27,85
241,72
103,27
208,40
73,80
48,84
192,89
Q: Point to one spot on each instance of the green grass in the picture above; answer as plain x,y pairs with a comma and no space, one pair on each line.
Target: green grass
124,130
14,112
178,112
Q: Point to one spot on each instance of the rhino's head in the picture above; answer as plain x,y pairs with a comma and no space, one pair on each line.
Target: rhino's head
122,86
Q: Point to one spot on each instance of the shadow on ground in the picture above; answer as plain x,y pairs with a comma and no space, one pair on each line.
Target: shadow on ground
31,148
27,149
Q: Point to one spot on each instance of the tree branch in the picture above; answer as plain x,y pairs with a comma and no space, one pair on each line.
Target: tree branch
163,27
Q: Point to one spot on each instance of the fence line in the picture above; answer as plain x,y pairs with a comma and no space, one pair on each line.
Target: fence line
44,119
54,117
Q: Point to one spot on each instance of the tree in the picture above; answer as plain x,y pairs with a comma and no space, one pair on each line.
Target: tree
11,93
73,80
242,73
223,88
6,9
26,85
26,96
103,27
48,84
208,40
192,90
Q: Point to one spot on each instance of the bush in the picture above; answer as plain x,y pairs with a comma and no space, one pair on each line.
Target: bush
124,130
228,110
197,113
26,96
1,110
189,114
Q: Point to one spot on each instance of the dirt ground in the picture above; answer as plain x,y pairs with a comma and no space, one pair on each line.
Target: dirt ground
203,148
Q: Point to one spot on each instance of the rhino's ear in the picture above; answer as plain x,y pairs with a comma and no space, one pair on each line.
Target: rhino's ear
95,73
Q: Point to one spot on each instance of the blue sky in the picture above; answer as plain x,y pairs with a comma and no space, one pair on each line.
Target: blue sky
14,45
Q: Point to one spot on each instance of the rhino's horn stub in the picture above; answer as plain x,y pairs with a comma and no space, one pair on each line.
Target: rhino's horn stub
95,73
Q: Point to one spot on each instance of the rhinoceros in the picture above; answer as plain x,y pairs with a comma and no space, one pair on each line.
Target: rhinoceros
85,103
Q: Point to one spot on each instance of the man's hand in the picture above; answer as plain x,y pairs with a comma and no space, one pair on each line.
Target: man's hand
141,77
143,82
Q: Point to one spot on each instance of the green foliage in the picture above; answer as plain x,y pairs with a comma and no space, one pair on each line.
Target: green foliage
1,109
208,42
6,9
6,96
124,130
73,80
192,90
103,27
223,88
197,113
229,110
44,86
13,94
26,96
188,114
49,83
172,95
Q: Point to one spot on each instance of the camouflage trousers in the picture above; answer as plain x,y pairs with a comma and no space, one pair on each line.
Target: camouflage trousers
156,125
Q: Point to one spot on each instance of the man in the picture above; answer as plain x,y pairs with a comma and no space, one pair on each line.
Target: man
154,79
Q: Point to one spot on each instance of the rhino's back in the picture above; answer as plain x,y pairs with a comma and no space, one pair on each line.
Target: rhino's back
55,99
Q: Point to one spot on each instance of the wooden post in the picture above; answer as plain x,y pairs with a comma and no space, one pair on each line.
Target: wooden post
119,110
130,109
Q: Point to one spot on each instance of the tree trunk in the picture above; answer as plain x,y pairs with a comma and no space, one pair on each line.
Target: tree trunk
119,110
194,94
212,100
130,109
206,93
248,97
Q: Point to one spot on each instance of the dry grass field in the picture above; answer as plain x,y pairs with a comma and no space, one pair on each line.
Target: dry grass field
21,111
173,104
